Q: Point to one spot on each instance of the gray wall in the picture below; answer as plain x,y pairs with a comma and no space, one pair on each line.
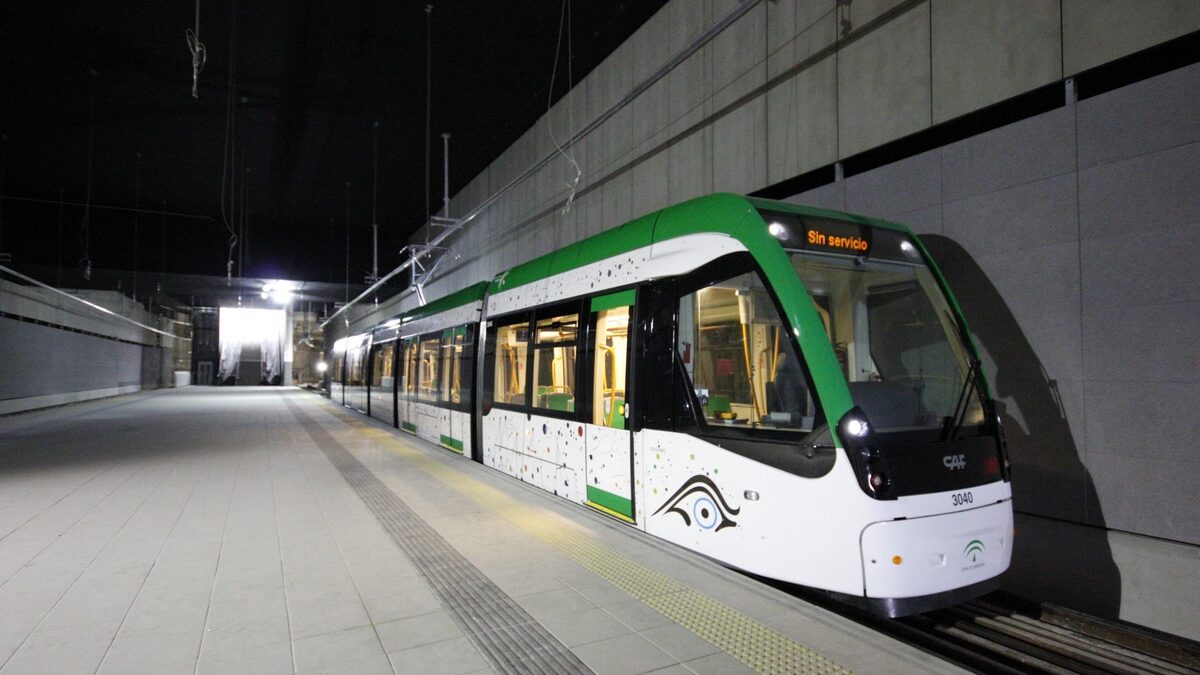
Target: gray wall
1070,239
1069,236
41,361
48,363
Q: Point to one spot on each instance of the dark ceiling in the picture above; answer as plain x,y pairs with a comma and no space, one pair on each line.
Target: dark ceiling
309,80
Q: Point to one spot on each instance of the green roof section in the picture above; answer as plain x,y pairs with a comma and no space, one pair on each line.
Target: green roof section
722,213
472,293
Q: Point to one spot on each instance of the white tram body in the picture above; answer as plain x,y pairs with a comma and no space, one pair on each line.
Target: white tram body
789,391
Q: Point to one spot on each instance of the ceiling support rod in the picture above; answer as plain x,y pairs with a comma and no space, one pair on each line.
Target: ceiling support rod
712,31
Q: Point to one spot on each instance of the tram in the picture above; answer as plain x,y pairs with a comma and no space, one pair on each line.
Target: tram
791,391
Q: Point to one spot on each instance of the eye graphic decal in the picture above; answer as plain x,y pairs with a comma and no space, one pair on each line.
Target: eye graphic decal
700,500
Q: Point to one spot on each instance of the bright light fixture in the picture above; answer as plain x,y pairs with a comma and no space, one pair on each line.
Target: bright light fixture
777,230
856,427
322,366
279,291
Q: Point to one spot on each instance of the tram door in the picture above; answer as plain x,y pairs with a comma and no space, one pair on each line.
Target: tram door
609,460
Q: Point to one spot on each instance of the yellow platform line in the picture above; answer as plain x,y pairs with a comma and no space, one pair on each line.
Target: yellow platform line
760,647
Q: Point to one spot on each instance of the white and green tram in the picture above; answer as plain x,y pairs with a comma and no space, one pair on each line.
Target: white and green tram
788,390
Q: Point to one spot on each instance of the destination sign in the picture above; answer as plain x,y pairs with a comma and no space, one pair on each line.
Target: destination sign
837,237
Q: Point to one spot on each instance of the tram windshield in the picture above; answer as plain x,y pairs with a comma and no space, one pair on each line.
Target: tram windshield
891,327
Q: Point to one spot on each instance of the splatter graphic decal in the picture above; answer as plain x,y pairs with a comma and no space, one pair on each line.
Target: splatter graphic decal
700,500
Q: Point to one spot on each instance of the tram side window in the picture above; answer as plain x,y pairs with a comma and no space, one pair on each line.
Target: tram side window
427,368
612,351
741,361
408,367
354,367
511,345
554,362
381,365
337,368
458,368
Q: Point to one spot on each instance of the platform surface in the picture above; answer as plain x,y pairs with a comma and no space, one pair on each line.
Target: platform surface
266,530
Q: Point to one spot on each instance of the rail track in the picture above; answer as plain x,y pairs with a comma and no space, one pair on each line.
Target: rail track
1004,635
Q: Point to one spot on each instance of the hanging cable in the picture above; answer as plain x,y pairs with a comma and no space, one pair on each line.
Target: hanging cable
564,18
428,103
230,131
199,53
87,204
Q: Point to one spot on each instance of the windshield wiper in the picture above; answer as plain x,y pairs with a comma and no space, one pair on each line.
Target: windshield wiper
953,424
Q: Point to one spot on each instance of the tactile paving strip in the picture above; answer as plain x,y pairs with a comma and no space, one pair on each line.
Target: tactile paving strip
511,640
758,646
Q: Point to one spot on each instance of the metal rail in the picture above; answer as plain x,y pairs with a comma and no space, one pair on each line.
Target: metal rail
92,305
711,32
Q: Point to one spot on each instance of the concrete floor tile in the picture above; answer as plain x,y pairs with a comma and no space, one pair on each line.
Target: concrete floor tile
416,631
525,583
329,649
402,606
602,593
68,650
579,628
311,618
557,601
448,657
637,615
272,659
719,664
372,665
148,648
679,642
624,655
253,589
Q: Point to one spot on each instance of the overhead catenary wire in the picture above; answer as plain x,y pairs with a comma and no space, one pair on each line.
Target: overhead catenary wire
86,261
230,134
428,102
198,51
712,31
573,185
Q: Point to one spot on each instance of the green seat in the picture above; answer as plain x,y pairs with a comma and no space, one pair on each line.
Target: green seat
717,403
618,420
561,401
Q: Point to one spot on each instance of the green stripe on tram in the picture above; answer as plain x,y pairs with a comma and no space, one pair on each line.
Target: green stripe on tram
452,443
620,299
608,500
408,426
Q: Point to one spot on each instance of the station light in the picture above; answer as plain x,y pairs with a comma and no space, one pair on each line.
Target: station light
278,291
322,366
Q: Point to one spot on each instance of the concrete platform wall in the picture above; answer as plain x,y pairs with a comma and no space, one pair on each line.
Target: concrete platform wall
1066,235
56,351
1069,239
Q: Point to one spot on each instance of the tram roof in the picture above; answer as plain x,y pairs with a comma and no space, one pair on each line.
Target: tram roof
722,212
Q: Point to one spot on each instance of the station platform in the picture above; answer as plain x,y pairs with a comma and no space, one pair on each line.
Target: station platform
267,530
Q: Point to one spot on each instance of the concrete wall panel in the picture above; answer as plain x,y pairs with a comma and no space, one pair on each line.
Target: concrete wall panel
1098,31
40,360
802,122
883,83
985,52
1022,152
740,148
1156,114
907,185
1147,192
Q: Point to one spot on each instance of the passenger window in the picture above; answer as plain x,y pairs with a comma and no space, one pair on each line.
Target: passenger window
427,389
511,343
742,363
457,363
381,365
408,369
611,348
554,362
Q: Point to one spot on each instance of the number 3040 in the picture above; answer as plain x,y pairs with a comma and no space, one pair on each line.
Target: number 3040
961,498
